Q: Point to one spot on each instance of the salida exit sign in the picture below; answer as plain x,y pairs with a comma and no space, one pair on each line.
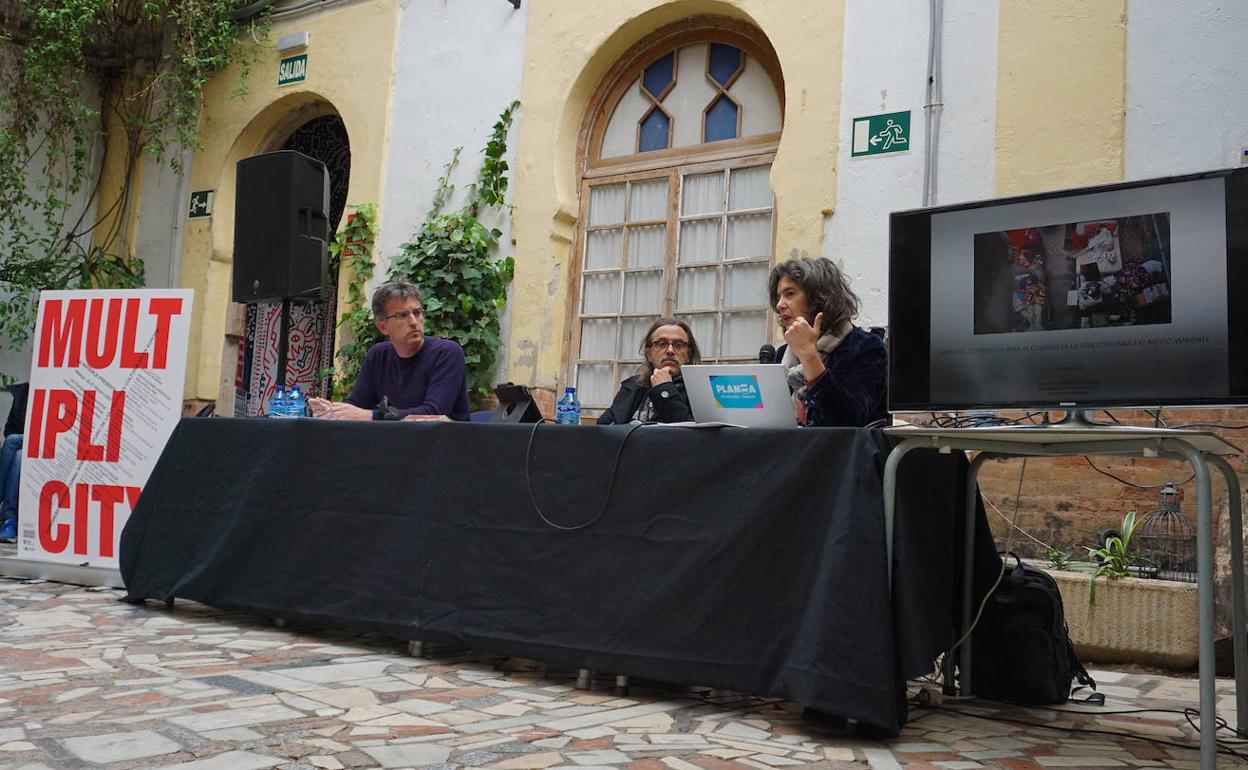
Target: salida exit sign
292,69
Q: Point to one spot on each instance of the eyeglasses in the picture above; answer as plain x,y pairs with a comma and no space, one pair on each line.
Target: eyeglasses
680,346
417,313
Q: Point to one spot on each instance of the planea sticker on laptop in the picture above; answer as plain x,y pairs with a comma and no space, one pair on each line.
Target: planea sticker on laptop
736,391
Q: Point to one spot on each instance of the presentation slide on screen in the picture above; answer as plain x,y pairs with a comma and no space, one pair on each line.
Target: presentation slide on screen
1115,295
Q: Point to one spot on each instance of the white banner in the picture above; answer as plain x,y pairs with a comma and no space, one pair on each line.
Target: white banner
105,393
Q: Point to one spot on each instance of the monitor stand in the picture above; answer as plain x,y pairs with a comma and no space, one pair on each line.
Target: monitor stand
1075,419
1081,420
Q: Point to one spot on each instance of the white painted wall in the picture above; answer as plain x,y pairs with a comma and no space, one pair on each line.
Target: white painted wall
162,221
885,70
1187,65
459,64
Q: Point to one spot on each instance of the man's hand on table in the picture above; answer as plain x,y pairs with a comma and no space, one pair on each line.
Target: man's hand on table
337,410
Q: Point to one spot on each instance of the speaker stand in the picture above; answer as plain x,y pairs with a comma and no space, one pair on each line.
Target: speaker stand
283,342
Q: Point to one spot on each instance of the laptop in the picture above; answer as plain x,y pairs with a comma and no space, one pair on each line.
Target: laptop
751,395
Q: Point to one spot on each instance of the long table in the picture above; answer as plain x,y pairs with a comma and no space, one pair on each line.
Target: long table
746,559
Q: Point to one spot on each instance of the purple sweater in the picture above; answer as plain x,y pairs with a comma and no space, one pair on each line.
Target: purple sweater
430,382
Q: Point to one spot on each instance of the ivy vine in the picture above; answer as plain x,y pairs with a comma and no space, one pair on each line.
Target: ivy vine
451,260
77,68
352,253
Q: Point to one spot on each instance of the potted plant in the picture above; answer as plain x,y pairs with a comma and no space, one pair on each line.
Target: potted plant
1115,557
1126,618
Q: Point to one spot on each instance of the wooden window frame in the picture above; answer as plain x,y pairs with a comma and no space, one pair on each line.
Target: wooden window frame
672,164
629,358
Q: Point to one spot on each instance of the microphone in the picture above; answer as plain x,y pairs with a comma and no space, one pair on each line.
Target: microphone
767,354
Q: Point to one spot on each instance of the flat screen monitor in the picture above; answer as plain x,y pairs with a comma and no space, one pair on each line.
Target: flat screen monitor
1124,295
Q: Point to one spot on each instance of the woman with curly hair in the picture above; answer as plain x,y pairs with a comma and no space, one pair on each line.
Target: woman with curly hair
837,371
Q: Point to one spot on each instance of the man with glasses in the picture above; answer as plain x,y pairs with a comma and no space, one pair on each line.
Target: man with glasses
407,374
657,393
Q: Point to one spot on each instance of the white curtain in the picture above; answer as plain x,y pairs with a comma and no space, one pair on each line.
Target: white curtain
699,240
647,246
703,325
642,292
745,285
630,339
744,333
702,194
749,235
606,204
602,248
602,293
598,338
647,200
697,288
750,188
594,386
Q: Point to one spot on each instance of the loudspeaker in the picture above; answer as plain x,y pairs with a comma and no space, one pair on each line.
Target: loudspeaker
281,227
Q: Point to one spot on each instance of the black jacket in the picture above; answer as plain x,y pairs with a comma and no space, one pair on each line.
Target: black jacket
671,404
17,412
854,390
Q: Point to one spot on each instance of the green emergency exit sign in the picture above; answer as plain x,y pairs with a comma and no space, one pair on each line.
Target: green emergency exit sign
292,69
201,204
885,134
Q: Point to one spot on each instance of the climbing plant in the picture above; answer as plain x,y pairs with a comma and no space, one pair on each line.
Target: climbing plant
451,259
352,253
83,80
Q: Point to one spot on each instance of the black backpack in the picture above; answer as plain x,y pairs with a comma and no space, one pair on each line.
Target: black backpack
1021,648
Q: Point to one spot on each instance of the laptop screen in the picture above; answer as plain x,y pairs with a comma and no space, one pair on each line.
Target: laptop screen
755,395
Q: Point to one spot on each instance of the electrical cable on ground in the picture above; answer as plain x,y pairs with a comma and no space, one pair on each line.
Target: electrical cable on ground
1222,747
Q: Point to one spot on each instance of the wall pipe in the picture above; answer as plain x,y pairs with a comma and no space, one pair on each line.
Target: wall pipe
934,105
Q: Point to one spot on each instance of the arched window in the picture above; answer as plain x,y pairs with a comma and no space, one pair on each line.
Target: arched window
677,216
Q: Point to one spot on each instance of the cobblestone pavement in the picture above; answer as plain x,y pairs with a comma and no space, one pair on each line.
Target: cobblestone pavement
88,681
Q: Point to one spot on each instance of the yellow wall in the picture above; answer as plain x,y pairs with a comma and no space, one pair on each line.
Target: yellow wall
351,54
117,220
1061,94
571,44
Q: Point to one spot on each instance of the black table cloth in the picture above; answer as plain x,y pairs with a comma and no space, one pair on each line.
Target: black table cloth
745,559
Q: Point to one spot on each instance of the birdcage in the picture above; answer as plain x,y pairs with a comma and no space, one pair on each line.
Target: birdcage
1167,539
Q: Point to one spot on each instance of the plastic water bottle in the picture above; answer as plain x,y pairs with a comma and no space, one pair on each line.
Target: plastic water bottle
296,405
568,410
277,402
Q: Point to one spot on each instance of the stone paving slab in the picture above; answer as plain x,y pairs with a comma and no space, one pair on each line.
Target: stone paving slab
87,681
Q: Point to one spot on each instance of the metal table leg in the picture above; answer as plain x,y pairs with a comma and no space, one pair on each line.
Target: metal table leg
1204,567
1239,634
968,569
890,495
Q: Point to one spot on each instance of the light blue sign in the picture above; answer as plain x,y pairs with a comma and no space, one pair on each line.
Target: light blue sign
736,391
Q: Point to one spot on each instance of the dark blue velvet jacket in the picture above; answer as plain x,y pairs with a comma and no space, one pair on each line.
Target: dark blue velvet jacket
853,392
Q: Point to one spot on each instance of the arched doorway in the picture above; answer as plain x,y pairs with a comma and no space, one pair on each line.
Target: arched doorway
311,339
